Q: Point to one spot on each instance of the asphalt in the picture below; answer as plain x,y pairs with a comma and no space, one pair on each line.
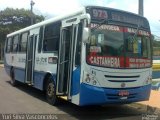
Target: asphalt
154,100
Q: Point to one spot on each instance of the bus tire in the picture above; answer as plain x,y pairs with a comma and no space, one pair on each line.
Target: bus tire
51,91
12,75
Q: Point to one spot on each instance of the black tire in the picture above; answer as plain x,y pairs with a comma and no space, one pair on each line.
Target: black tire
51,91
12,75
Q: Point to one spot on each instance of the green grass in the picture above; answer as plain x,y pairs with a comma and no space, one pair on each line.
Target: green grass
154,82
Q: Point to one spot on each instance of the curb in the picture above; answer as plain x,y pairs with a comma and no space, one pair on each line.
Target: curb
156,80
143,107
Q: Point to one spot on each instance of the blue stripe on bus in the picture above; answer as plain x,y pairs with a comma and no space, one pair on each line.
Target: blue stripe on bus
75,85
38,79
38,76
19,74
90,95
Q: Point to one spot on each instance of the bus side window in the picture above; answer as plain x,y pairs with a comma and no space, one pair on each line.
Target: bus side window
51,37
23,42
15,43
78,46
9,45
40,39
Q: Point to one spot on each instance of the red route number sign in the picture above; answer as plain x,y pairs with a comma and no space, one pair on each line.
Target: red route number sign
97,13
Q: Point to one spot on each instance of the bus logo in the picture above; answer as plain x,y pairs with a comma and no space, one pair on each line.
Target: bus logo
123,85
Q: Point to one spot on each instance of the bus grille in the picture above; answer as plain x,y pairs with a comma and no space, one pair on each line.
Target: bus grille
117,97
122,80
111,76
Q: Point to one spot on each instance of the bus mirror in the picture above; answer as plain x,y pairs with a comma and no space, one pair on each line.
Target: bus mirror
86,33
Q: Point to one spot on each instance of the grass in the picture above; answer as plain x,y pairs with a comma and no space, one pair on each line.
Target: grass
155,82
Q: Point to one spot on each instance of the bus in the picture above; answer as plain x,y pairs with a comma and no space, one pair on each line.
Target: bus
92,56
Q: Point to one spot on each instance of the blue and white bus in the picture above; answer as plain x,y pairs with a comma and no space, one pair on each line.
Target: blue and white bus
93,56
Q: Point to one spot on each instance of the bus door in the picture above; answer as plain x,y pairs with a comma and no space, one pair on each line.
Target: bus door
66,59
30,58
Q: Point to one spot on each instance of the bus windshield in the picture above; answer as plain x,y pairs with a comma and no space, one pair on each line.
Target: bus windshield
118,47
138,46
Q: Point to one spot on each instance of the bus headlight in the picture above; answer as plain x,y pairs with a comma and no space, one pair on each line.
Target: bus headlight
94,82
148,80
87,79
90,79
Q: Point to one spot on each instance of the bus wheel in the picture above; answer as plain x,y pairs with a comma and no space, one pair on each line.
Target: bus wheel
13,81
51,91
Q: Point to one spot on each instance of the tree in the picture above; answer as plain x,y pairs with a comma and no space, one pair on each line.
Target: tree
156,46
15,19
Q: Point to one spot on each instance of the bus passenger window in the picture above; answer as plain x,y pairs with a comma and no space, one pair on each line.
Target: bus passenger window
9,45
45,45
40,39
15,43
51,37
23,42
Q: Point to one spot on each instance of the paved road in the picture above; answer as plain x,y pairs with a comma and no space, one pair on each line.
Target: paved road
24,99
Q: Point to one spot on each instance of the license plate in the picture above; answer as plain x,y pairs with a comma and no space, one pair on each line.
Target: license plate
123,93
123,98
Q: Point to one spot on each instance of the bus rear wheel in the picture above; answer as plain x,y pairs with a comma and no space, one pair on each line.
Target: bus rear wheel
51,91
13,81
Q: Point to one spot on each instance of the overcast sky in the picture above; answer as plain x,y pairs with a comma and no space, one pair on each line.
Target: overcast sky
50,8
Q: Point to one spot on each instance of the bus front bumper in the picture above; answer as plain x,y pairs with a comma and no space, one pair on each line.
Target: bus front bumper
91,95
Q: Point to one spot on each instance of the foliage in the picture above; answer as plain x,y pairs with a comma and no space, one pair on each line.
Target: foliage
15,19
156,47
156,43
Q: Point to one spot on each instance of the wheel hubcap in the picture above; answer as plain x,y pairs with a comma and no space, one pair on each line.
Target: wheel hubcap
50,90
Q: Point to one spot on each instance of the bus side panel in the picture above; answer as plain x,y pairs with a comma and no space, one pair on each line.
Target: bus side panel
15,61
18,64
38,79
42,67
19,74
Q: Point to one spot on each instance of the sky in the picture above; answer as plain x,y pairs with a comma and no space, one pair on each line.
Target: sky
51,8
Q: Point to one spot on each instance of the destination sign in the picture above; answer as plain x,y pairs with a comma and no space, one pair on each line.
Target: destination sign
98,14
128,18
